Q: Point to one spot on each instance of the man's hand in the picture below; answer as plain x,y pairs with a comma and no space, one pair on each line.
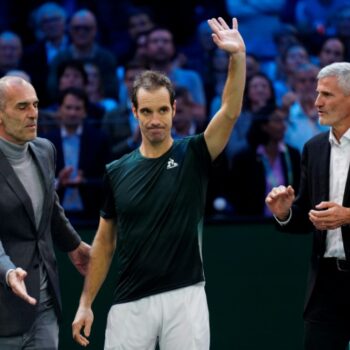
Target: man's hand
280,200
329,216
82,322
226,38
80,257
15,281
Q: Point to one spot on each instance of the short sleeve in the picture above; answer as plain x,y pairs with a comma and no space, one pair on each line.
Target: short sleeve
108,203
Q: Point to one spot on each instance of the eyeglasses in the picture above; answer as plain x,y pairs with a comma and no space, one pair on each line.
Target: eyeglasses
81,28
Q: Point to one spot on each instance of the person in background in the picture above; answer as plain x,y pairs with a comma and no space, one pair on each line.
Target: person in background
266,162
95,89
32,222
49,21
259,93
160,56
11,52
303,121
120,124
332,50
82,153
84,47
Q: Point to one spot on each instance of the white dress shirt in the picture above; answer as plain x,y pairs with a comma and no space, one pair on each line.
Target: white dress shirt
338,173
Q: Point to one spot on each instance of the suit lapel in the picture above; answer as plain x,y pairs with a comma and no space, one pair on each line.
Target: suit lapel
12,179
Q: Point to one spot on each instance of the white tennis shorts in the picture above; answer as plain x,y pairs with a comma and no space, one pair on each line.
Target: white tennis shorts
179,319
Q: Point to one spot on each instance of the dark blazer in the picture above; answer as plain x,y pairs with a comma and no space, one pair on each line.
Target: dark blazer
314,188
23,245
93,156
116,125
247,180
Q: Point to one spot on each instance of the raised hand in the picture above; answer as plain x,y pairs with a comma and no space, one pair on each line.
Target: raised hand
15,281
226,38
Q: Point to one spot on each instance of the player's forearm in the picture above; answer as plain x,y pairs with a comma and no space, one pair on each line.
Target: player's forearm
100,260
232,95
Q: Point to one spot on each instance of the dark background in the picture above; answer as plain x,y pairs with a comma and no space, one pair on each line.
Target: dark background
256,279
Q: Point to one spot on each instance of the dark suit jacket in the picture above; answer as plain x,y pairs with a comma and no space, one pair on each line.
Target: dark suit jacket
314,188
94,154
22,245
117,126
247,180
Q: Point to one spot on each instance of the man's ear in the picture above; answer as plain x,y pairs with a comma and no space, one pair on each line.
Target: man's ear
134,112
174,108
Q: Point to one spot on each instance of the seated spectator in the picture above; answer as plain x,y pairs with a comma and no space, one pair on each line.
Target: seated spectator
300,103
95,88
265,163
71,73
259,93
84,47
293,57
120,124
332,50
11,51
284,37
82,153
160,55
184,123
139,22
50,28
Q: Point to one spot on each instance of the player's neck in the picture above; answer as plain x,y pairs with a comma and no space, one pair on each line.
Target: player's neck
155,150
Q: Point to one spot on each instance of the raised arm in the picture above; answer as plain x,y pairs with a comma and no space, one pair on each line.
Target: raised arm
102,251
219,129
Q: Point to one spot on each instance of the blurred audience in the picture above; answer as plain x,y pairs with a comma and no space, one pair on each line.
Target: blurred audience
11,52
300,104
293,56
84,47
120,124
95,88
82,153
50,30
332,50
258,21
160,54
259,94
266,162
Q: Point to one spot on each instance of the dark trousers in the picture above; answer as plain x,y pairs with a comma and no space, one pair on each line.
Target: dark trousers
327,317
43,335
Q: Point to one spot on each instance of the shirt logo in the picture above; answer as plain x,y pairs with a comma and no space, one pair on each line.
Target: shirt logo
171,164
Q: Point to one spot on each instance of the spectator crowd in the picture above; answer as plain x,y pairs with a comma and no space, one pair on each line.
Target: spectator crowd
82,59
